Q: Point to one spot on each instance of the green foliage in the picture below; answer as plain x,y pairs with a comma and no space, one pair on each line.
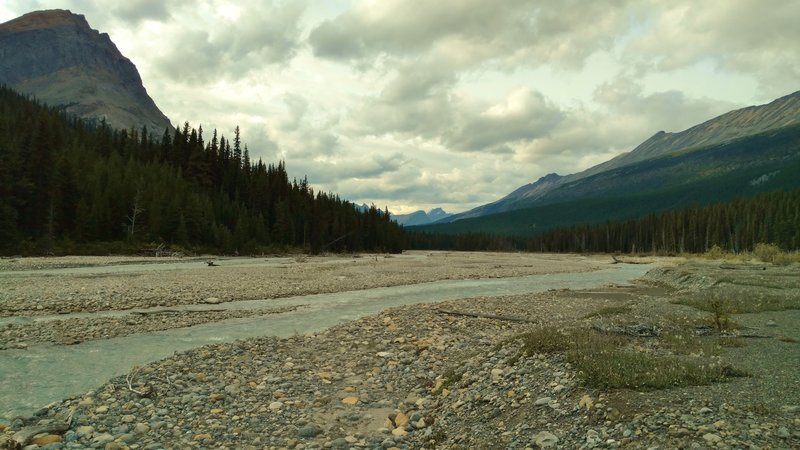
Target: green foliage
63,181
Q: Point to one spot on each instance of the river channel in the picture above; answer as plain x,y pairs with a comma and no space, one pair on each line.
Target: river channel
36,376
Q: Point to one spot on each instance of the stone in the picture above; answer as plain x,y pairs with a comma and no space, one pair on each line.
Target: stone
274,406
101,409
401,420
586,402
103,438
497,375
47,439
339,444
772,323
706,410
128,418
350,401
212,300
201,437
545,439
85,429
141,428
309,430
399,432
217,411
542,401
712,438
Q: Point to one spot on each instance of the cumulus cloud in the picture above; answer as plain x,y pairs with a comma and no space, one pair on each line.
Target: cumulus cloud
627,117
377,100
745,36
524,116
261,36
471,32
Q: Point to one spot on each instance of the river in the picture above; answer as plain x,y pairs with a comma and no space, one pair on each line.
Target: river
39,375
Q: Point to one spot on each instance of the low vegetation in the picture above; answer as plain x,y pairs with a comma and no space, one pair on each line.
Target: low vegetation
722,308
611,361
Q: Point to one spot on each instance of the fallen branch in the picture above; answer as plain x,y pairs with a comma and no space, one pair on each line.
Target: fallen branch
485,316
741,267
212,264
25,435
176,311
130,378
622,261
639,330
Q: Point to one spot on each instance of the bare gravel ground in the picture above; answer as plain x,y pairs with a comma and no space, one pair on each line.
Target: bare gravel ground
52,292
421,376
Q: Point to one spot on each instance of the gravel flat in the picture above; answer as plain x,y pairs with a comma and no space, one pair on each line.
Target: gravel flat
446,375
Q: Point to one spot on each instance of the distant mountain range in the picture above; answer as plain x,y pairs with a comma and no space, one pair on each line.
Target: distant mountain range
58,58
739,153
421,217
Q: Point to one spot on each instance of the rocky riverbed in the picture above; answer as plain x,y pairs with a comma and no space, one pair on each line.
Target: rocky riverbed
455,375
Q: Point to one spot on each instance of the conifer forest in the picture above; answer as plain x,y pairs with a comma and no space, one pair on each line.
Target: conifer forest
72,187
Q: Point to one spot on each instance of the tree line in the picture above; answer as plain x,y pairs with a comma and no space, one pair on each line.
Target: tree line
735,226
64,184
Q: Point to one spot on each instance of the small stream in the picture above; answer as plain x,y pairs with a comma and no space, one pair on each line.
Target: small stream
39,375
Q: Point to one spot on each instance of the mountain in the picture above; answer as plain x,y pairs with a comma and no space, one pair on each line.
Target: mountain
421,217
58,58
704,164
604,179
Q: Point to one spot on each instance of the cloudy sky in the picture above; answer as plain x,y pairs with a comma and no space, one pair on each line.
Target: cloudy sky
415,104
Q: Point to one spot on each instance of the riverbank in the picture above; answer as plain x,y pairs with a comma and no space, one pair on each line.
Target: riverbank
455,375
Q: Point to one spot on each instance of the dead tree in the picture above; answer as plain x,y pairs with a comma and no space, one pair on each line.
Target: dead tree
135,211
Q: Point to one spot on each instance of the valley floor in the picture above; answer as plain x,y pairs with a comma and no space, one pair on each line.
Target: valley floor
459,374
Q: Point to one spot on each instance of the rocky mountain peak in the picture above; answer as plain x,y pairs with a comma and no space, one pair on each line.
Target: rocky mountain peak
56,56
51,18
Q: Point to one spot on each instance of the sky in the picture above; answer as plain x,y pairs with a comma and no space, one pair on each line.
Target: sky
418,104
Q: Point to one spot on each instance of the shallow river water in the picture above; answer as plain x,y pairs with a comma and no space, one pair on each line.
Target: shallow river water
34,377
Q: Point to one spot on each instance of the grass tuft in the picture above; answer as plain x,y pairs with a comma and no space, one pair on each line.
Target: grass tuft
611,362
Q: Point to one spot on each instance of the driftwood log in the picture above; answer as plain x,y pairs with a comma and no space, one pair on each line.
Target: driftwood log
485,316
25,435
741,267
622,261
638,330
175,311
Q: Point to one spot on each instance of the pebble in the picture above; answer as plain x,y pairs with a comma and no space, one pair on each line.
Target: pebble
546,439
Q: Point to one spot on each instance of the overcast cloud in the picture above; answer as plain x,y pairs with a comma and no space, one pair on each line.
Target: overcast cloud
415,104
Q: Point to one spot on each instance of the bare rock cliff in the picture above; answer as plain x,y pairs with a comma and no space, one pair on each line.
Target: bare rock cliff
58,58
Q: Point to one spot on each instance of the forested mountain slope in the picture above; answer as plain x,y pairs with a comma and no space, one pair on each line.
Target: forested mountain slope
598,181
765,162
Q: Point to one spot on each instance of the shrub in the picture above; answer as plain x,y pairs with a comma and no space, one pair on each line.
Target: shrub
766,252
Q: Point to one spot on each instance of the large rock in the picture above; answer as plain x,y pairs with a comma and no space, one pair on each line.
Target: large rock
57,57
